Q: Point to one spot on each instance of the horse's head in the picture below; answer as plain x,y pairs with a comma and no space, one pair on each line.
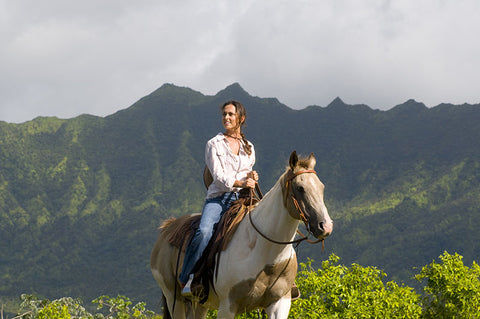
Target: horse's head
303,196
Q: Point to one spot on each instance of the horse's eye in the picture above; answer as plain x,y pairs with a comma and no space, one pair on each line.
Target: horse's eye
300,189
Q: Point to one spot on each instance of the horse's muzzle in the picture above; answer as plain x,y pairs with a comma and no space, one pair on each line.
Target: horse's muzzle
323,229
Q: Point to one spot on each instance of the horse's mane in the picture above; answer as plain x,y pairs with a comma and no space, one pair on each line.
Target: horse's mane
176,230
303,162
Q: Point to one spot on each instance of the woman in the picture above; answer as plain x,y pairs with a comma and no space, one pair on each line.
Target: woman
230,159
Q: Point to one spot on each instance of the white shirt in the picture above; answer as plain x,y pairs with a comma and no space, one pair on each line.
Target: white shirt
225,166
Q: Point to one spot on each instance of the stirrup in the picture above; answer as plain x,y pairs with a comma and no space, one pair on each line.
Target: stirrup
187,289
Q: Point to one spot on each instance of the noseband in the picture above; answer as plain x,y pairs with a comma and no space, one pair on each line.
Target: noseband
301,214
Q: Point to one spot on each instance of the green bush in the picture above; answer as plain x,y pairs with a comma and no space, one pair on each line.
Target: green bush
63,308
54,311
337,291
66,308
452,289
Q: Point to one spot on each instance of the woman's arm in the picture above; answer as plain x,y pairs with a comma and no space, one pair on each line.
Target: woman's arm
213,155
252,177
215,166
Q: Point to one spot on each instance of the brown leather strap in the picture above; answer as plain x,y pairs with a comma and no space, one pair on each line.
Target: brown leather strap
298,208
259,192
265,236
292,175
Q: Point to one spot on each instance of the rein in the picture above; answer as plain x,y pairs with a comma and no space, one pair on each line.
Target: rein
302,216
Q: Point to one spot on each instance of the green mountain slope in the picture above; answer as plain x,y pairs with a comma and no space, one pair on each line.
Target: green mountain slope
80,199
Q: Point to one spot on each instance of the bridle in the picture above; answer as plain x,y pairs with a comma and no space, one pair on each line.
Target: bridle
301,213
289,186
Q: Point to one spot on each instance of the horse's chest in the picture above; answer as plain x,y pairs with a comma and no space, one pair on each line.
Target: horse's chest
271,283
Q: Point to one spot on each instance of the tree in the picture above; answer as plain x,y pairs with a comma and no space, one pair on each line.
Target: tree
337,291
452,289
66,308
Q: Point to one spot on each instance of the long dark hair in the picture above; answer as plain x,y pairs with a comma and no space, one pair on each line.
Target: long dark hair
241,113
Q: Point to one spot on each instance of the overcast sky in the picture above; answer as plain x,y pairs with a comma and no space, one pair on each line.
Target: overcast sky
64,58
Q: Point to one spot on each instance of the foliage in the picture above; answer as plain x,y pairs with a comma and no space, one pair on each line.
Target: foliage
54,311
452,289
255,314
66,308
337,291
120,307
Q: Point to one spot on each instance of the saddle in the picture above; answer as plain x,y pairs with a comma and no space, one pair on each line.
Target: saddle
223,232
224,229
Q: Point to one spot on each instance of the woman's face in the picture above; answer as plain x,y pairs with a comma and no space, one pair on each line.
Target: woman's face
231,121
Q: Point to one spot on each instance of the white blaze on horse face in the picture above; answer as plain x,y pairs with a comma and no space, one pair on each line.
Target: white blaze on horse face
320,222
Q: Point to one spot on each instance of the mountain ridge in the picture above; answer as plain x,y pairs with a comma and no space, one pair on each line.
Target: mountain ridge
81,198
236,90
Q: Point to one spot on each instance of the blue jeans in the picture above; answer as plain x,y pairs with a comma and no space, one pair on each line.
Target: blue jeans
213,210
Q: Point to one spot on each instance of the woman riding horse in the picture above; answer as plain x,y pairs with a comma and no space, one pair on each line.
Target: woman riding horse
258,266
230,158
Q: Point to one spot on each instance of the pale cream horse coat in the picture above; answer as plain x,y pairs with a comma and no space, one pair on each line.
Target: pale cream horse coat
254,272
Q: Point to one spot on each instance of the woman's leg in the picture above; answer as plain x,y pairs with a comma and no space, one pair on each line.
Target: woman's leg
211,214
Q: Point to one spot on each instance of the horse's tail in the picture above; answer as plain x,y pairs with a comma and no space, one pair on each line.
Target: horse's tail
166,312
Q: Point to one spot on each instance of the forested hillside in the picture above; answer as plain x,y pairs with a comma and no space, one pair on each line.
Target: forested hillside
81,198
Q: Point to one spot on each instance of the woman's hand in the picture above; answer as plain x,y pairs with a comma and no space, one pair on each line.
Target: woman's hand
251,179
250,182
254,175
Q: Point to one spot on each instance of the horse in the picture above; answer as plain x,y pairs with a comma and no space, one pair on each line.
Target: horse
258,267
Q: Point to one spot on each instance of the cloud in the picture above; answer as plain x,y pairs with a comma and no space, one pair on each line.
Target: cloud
374,52
60,58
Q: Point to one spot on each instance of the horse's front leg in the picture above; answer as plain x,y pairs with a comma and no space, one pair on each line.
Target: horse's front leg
280,309
196,311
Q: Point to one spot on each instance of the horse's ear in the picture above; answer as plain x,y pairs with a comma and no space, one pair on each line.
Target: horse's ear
311,161
293,159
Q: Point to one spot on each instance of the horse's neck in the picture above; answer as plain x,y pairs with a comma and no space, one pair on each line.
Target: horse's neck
272,217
